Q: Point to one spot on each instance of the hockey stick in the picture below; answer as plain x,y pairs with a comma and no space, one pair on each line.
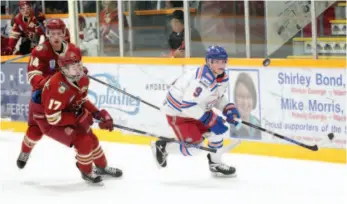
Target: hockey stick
310,147
164,138
123,92
16,58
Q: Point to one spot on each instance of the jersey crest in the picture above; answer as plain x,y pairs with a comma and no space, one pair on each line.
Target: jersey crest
62,87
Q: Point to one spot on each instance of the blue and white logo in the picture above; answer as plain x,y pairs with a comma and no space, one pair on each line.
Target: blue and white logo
109,98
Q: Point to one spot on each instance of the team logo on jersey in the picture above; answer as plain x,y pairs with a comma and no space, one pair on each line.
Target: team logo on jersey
62,88
52,64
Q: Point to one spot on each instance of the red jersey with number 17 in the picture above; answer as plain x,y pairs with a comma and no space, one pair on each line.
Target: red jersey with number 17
62,98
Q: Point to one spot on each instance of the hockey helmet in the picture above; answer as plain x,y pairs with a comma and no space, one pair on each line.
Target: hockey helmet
216,52
25,8
70,63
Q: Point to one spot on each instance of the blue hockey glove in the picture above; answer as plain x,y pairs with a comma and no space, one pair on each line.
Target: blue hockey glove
230,112
214,122
36,96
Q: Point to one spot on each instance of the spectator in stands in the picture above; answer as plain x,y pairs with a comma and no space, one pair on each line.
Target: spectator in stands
174,4
176,38
56,7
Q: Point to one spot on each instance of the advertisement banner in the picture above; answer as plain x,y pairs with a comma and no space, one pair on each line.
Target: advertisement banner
305,104
15,91
149,82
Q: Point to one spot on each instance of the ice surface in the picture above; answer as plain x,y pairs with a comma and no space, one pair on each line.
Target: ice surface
51,177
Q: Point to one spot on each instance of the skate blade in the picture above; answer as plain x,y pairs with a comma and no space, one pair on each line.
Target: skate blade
221,175
100,184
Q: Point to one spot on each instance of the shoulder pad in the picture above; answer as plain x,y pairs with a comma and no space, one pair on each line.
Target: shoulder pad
41,48
204,76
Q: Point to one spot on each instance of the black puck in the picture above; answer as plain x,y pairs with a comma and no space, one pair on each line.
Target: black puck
331,136
266,62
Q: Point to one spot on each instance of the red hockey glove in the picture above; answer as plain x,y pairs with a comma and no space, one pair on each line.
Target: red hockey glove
106,121
85,119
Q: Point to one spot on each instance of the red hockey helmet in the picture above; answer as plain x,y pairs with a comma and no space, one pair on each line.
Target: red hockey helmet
24,3
55,24
25,8
70,63
55,37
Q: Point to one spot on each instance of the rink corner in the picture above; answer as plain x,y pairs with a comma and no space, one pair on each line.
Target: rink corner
247,147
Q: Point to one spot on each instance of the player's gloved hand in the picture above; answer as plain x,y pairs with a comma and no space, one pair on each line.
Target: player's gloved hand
214,122
230,112
106,121
36,96
85,119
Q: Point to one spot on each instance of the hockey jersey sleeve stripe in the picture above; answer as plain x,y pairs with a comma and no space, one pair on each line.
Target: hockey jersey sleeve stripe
54,118
174,103
186,104
31,74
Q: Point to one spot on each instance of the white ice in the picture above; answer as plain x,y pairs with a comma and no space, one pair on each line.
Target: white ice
51,177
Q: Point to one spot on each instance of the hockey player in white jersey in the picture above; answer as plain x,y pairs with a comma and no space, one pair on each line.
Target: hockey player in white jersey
188,108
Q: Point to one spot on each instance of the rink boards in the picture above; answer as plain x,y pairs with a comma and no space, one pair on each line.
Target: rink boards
302,99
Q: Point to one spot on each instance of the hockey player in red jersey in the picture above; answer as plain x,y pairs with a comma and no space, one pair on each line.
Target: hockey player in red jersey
42,65
67,116
28,27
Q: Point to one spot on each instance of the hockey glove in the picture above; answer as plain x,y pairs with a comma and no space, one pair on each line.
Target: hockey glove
85,119
106,121
214,122
230,112
36,96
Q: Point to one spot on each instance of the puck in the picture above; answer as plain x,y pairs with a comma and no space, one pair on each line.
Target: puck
331,136
266,62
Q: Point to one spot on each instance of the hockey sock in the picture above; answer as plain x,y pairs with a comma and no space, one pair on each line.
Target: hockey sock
216,143
99,157
84,145
98,154
33,135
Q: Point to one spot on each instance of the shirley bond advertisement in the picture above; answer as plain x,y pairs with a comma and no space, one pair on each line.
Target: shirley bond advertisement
306,104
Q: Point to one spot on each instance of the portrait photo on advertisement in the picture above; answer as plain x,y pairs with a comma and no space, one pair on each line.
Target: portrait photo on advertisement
244,93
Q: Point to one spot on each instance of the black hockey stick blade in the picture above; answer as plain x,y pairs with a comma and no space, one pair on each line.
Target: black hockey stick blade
164,138
310,147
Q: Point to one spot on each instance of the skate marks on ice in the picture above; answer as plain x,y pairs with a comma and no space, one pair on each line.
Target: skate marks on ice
51,171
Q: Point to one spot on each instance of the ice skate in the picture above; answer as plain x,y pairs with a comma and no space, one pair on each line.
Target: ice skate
22,159
91,178
220,169
159,153
108,171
